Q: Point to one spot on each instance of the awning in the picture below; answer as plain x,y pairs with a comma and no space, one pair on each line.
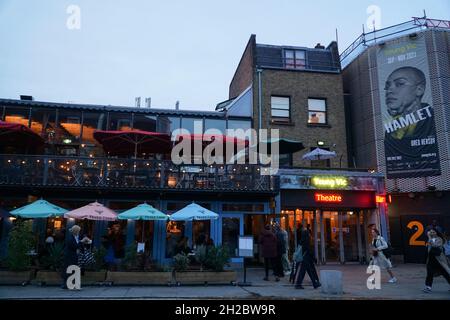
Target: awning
208,138
133,142
16,134
286,146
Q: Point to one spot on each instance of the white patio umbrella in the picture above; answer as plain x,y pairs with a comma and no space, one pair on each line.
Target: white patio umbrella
319,154
193,212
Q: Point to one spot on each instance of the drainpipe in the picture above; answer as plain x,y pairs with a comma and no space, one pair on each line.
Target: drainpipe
259,71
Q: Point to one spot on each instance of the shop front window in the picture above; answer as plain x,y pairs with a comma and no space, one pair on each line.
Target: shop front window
176,242
201,234
230,235
331,235
143,235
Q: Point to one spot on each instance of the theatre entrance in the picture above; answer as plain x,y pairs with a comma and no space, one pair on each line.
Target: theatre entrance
337,236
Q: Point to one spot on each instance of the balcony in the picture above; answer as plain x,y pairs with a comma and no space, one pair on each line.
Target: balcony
48,171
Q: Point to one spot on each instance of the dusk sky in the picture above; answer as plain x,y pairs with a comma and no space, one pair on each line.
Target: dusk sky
167,50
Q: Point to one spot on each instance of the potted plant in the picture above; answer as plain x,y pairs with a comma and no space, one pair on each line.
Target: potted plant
52,262
18,260
132,274
213,262
96,272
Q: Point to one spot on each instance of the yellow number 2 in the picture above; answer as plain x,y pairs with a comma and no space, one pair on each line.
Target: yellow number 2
413,240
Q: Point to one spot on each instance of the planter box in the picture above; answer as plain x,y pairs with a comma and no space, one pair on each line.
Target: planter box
92,278
139,278
205,277
48,278
53,278
15,277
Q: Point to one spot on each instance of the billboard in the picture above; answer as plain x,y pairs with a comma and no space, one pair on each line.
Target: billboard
410,142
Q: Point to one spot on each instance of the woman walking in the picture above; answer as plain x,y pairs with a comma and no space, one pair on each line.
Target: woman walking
437,263
268,242
378,258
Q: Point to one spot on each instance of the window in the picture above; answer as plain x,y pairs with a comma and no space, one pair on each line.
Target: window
92,121
119,121
191,124
230,235
285,160
217,124
144,122
280,108
317,111
295,59
43,123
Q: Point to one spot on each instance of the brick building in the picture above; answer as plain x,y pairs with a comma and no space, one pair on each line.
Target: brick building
299,91
417,176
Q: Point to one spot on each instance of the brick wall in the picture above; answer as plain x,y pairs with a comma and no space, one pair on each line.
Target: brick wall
243,75
299,86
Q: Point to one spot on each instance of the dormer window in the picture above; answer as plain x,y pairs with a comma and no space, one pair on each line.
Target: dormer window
295,59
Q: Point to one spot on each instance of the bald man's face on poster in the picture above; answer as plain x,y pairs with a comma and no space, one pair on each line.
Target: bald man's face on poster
410,140
404,90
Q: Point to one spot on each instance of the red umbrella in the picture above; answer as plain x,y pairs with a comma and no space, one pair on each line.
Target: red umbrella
208,138
16,134
133,142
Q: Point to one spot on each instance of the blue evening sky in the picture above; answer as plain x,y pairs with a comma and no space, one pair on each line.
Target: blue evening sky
168,50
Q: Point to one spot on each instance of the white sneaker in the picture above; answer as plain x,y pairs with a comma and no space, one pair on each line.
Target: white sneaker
427,290
393,280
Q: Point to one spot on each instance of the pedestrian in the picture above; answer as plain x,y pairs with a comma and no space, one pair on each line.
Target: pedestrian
437,263
378,258
281,248
268,242
71,251
307,262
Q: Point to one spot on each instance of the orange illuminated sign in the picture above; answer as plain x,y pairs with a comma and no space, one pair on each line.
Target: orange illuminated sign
321,197
380,199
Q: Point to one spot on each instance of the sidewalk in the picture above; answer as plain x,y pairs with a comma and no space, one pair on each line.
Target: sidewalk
410,283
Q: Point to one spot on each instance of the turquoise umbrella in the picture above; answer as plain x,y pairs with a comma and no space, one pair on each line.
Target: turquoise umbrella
39,209
144,212
193,212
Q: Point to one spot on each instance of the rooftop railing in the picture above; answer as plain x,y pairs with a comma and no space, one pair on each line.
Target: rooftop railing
115,173
370,38
297,64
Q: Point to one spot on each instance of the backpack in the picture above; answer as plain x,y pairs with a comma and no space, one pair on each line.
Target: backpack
388,251
298,254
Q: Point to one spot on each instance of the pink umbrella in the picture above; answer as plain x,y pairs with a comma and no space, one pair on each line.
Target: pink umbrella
92,211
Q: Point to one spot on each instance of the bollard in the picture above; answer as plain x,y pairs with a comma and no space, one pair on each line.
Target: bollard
331,281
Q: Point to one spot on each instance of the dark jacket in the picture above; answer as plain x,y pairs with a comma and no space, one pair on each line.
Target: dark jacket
305,242
268,242
281,242
70,251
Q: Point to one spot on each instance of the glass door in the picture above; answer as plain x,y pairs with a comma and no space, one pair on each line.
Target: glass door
330,229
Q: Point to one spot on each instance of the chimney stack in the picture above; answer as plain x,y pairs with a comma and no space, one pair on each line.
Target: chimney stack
148,102
138,102
319,46
24,97
177,105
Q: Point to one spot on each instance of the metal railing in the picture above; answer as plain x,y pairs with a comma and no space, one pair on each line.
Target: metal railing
370,38
114,173
297,64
